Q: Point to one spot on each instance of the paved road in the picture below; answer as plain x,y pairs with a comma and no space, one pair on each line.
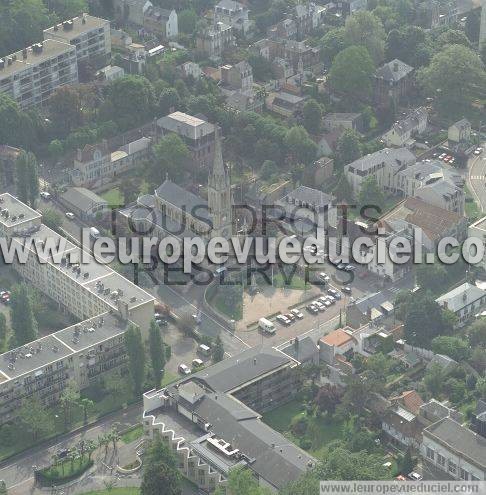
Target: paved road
477,178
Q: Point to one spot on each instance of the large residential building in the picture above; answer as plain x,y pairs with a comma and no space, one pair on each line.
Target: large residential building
31,75
453,451
214,40
198,134
397,172
163,22
234,14
104,301
464,301
90,35
459,132
404,130
393,83
212,420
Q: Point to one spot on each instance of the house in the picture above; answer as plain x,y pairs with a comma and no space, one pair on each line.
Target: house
464,301
238,76
302,349
83,203
214,40
212,420
336,343
162,22
453,451
432,411
460,131
285,104
285,29
307,17
394,81
402,427
336,121
433,222
131,11
234,14
405,129
110,73
134,58
198,134
190,69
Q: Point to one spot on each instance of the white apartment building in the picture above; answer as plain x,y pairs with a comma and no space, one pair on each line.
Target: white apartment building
464,301
454,451
32,74
404,130
90,35
233,13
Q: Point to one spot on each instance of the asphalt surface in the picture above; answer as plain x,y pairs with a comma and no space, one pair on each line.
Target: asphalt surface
477,178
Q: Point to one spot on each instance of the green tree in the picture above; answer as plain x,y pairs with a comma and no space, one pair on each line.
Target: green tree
66,9
55,149
130,101
343,189
365,29
157,353
24,324
16,128
472,26
477,333
187,19
27,178
86,405
454,78
136,358
300,145
168,99
481,387
351,73
242,482
53,219
312,116
478,359
171,157
455,389
331,44
65,109
433,277
454,347
261,68
36,418
406,463
452,37
371,194
3,330
68,400
434,379
218,350
268,170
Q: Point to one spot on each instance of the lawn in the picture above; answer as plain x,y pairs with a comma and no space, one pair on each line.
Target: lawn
114,197
320,432
132,434
168,378
472,210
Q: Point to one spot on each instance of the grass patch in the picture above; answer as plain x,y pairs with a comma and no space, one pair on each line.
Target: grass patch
168,378
217,299
132,434
66,471
114,197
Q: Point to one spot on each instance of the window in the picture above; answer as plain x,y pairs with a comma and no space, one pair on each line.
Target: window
452,467
441,460
430,453
464,474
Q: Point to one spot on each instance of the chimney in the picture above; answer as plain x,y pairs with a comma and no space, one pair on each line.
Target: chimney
395,66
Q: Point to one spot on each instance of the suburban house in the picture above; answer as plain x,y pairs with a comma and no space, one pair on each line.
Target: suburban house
214,40
110,73
234,14
307,17
190,69
393,82
464,301
460,131
402,427
83,203
434,223
339,121
335,344
453,451
285,104
162,22
403,131
212,420
285,29
198,134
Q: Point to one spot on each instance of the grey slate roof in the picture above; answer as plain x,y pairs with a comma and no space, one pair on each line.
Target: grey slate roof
309,195
82,198
231,5
461,296
396,158
183,199
411,121
388,72
458,438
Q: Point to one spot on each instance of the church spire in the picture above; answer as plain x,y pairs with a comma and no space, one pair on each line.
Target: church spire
218,164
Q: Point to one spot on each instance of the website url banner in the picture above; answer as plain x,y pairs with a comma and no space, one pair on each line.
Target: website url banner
402,487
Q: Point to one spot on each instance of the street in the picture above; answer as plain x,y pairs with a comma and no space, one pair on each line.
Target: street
477,178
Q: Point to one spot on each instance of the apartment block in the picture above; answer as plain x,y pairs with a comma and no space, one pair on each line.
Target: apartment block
105,302
31,75
90,35
214,40
212,420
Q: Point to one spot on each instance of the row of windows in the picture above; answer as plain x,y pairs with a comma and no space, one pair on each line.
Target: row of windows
449,465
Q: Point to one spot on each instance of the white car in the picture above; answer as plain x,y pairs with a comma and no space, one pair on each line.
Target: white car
184,369
297,314
415,476
283,320
478,151
318,304
324,276
69,215
45,195
197,363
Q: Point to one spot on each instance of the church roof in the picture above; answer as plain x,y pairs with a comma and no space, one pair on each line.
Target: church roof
181,198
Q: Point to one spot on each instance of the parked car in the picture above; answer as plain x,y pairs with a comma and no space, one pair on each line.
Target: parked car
341,266
415,476
349,268
312,308
324,276
283,320
297,314
320,306
69,215
184,369
197,363
478,151
346,289
290,317
45,195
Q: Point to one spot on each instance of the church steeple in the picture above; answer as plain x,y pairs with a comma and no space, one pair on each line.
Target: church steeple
219,192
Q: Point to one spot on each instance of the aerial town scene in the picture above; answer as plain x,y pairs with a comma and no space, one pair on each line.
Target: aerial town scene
242,247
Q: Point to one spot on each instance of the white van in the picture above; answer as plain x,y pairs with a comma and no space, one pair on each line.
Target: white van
266,326
204,350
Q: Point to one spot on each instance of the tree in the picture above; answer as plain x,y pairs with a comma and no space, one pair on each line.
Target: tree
136,358
477,333
242,482
171,157
343,189
454,78
27,178
261,68
16,128
36,418
53,219
331,44
410,44
130,101
187,21
432,277
327,398
67,9
351,73
3,329
300,145
218,350
434,379
312,116
65,109
129,190
455,389
371,194
452,37
481,387
157,353
454,347
55,149
268,170
86,405
365,29
168,99
68,399
406,463
24,324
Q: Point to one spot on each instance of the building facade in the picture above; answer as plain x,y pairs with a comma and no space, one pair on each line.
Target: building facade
214,40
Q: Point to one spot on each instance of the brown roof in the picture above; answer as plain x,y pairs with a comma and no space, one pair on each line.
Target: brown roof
410,400
434,221
337,338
